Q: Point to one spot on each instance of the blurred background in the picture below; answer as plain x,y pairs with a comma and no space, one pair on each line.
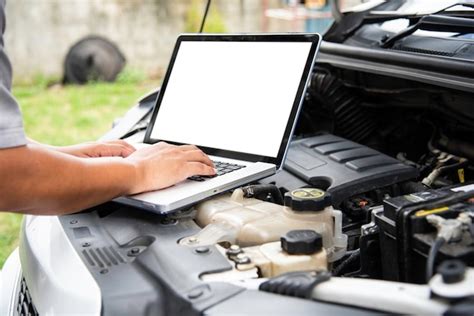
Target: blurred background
40,32
130,46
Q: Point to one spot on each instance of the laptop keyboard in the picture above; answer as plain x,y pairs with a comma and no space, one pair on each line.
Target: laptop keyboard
221,169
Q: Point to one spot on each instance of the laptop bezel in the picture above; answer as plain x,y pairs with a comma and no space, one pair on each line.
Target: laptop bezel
313,38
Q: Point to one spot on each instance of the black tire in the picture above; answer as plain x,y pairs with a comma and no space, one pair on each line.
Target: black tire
93,58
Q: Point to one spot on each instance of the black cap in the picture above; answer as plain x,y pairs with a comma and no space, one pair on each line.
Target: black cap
307,199
452,271
301,242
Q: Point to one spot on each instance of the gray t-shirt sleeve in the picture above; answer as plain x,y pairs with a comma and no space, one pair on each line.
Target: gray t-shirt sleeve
11,123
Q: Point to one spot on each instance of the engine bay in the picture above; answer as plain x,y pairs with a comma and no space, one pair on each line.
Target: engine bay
392,193
373,210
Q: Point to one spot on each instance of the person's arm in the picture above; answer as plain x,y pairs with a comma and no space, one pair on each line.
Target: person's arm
113,148
37,180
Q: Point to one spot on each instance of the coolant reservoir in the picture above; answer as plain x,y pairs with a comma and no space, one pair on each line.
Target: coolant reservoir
293,253
252,222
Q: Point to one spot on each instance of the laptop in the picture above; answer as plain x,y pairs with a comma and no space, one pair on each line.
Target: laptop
236,97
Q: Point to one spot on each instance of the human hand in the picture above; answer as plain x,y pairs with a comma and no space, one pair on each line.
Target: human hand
114,148
163,165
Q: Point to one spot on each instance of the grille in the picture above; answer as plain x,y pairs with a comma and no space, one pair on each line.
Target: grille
102,257
425,51
25,306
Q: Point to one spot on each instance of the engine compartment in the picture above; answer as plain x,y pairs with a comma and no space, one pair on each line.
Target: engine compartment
380,169
395,157
426,127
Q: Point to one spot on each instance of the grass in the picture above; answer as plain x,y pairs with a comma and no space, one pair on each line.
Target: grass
9,228
64,115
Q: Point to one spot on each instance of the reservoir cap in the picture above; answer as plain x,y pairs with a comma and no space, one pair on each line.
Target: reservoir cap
452,271
307,199
301,242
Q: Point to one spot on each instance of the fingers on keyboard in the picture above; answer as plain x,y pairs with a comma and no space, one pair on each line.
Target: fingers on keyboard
221,169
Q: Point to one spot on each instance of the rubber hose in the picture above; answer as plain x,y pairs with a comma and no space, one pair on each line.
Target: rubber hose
430,262
258,189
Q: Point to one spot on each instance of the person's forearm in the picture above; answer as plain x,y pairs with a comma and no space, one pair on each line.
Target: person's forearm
36,180
113,148
31,141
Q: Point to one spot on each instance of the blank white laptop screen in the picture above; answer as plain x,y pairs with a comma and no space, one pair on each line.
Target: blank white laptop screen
234,96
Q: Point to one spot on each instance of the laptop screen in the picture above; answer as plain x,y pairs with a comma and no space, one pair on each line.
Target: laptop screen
233,96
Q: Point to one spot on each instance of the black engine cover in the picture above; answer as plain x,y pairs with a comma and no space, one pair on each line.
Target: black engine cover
341,167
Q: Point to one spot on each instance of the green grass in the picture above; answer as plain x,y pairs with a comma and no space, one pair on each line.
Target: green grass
9,228
67,115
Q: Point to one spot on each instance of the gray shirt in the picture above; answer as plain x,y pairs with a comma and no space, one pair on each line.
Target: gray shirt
11,123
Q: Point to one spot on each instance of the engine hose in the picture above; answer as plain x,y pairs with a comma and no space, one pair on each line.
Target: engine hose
337,105
429,180
258,189
462,163
430,262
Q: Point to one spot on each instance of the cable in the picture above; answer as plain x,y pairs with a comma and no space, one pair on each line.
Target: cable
439,242
430,179
208,4
352,258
